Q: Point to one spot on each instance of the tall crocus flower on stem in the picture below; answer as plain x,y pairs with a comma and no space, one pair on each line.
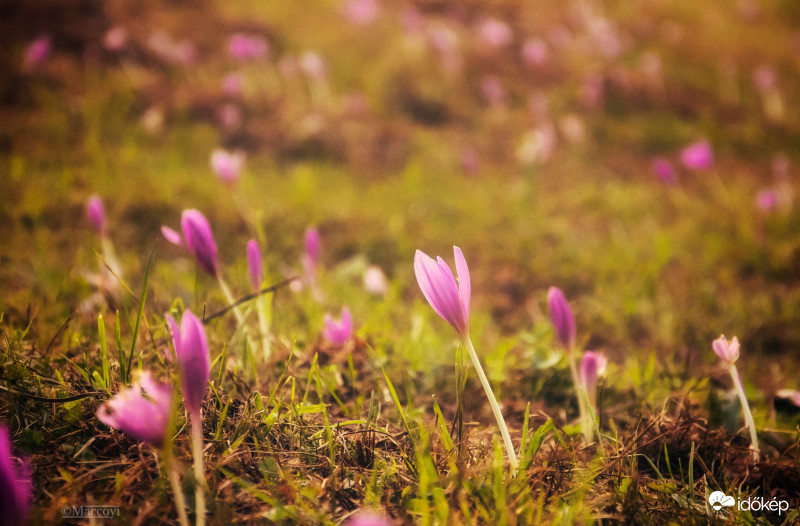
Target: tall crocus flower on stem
200,240
564,323
450,299
15,485
728,352
146,418
263,307
191,348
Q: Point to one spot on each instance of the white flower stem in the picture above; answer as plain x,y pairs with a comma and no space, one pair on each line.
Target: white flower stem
586,424
199,473
262,307
231,300
501,423
748,416
180,502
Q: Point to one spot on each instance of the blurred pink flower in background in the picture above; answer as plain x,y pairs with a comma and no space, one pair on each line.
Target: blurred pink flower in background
537,146
38,51
96,214
16,487
242,46
338,332
767,200
230,116
493,91
182,52
312,65
144,418
360,12
444,41
254,266
592,90
534,52
764,77
698,155
494,33
232,84
116,38
368,518
664,170
227,165
375,281
172,236
470,161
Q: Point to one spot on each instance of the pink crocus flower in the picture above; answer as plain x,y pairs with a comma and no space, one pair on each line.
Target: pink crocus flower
338,332
375,281
494,33
16,488
96,214
254,265
38,51
227,165
144,418
727,351
664,170
561,314
450,299
368,518
191,348
200,240
593,365
360,12
698,155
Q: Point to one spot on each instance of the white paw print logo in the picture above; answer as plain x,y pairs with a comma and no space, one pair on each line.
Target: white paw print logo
719,500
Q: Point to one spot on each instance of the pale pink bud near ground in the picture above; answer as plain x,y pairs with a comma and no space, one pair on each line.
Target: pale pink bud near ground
338,332
143,415
16,487
593,365
450,299
171,235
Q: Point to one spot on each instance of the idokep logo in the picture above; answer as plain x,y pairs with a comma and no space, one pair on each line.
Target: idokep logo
718,500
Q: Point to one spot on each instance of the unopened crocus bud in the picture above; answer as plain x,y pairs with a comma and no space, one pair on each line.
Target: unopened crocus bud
200,240
227,165
96,214
727,351
145,418
368,518
561,314
449,299
593,365
191,348
375,281
664,171
16,488
254,264
338,332
698,156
